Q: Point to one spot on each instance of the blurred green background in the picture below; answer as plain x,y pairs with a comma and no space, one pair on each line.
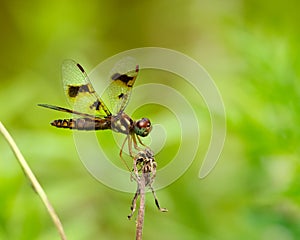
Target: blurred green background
250,48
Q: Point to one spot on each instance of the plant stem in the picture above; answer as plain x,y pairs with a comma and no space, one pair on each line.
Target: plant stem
35,184
141,213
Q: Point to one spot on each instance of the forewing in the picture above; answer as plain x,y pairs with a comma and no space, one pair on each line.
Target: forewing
80,92
121,86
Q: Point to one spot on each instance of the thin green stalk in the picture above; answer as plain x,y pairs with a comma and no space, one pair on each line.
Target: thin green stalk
37,187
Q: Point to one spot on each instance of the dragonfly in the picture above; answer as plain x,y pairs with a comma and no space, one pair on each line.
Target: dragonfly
91,113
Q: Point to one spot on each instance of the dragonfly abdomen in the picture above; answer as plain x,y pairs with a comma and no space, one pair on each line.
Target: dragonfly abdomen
83,124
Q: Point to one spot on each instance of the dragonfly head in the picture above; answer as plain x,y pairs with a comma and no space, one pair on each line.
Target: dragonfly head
142,127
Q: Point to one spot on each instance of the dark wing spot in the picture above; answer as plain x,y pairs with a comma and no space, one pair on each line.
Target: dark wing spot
115,76
80,67
124,78
121,95
84,88
96,105
73,91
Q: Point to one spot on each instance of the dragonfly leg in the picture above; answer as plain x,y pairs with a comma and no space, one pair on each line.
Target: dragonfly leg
135,143
129,138
121,152
140,141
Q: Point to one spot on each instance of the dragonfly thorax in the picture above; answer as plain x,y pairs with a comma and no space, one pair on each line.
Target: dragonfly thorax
122,123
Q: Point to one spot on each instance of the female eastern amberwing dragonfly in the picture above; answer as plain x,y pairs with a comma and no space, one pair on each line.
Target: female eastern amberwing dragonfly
92,112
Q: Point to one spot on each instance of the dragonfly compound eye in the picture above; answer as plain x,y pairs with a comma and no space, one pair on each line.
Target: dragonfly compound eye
143,127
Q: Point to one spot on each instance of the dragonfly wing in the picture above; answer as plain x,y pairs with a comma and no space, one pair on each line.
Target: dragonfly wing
122,79
80,92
